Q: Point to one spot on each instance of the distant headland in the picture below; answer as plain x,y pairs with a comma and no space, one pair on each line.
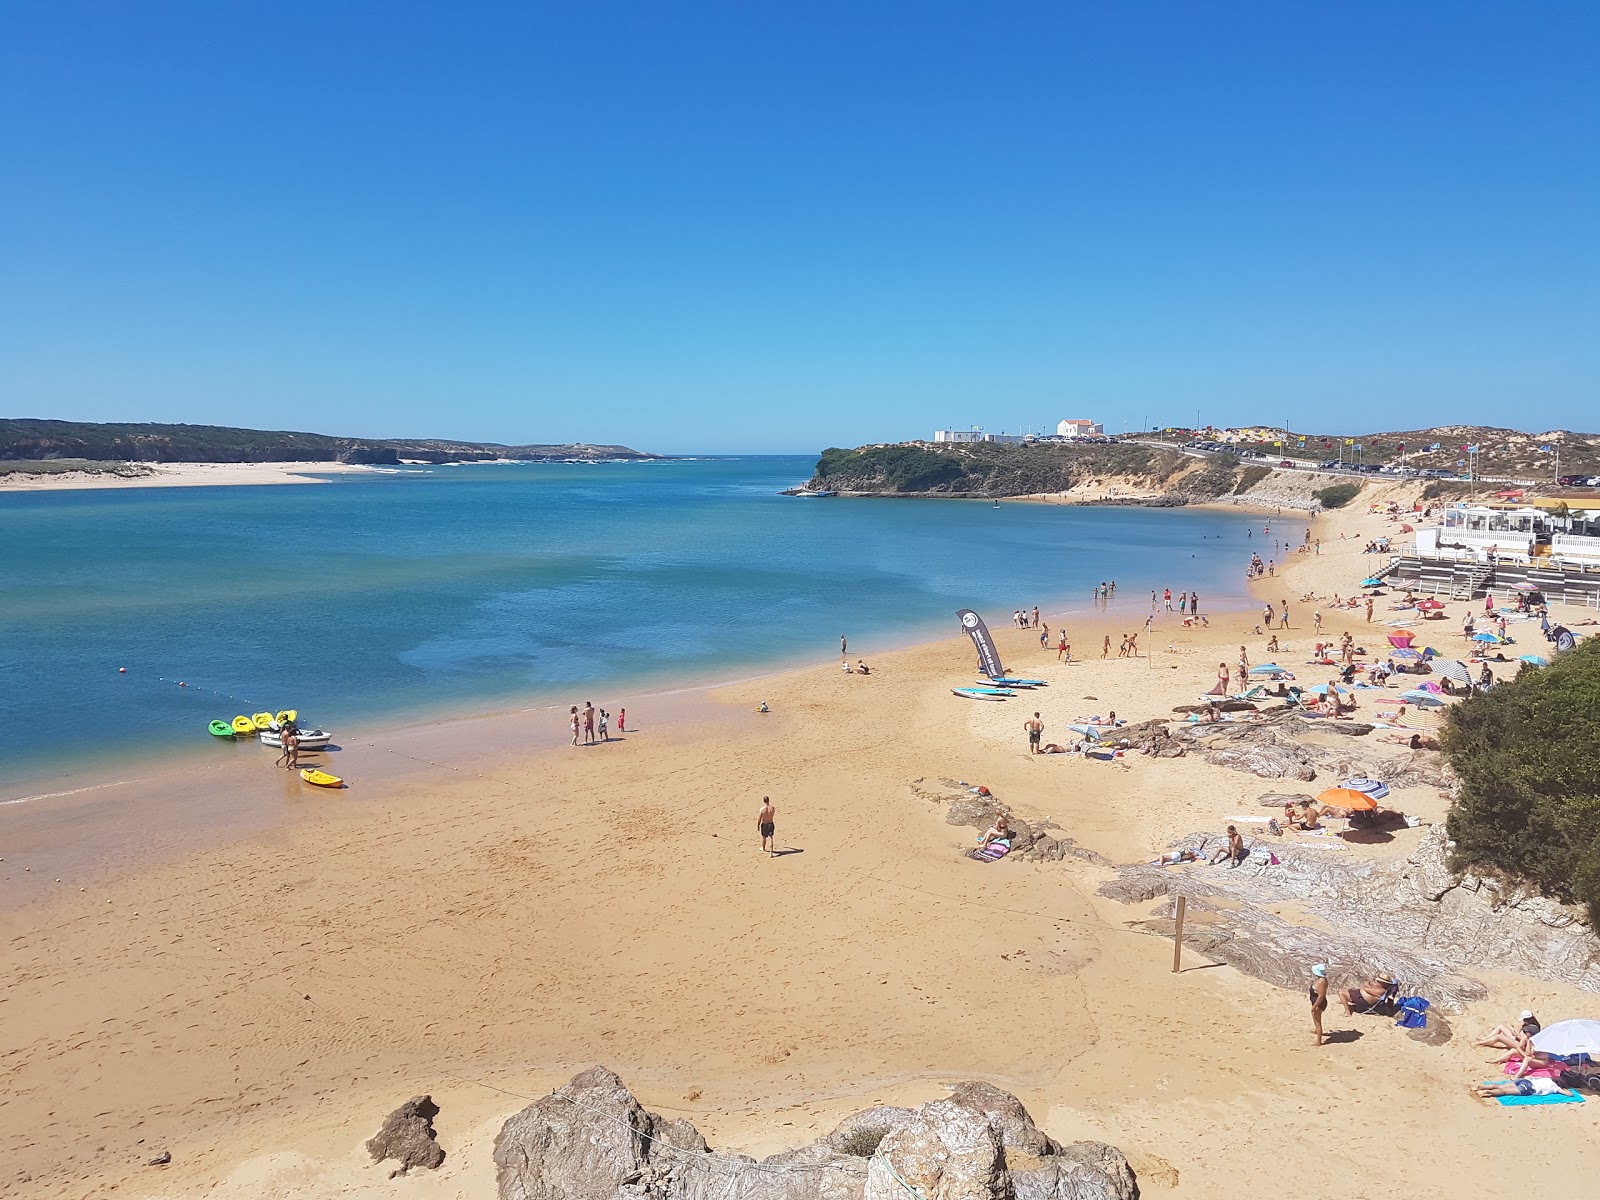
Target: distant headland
44,441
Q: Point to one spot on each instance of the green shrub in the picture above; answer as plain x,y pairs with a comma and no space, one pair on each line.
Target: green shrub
1529,764
1249,477
1336,495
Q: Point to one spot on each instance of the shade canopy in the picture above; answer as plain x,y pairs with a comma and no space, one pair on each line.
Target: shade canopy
1569,1037
1406,654
1537,660
1341,797
1454,671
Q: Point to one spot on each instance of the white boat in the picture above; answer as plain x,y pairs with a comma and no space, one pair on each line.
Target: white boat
310,739
805,494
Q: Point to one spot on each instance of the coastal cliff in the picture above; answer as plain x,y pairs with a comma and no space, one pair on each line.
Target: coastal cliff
1146,474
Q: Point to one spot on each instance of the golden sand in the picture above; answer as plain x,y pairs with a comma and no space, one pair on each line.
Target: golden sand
256,1008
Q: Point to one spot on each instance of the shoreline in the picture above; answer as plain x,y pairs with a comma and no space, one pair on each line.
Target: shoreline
187,475
256,1007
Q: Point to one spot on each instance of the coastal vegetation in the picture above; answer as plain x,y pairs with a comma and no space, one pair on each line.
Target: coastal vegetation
1336,495
25,439
1098,470
67,466
1529,806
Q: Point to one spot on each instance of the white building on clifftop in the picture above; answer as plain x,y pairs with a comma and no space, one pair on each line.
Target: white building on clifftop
1079,428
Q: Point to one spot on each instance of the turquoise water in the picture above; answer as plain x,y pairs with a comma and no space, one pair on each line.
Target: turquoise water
468,588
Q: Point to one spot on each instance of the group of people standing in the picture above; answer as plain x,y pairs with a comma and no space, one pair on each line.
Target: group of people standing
594,725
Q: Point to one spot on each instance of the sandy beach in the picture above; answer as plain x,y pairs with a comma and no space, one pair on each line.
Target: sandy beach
483,930
183,475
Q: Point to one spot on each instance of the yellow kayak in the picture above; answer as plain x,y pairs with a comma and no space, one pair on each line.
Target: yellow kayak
243,727
263,721
321,778
288,714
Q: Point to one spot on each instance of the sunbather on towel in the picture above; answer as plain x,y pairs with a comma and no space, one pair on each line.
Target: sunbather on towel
1538,1086
1173,857
1000,831
1366,997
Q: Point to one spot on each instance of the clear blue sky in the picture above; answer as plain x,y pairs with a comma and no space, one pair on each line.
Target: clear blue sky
760,227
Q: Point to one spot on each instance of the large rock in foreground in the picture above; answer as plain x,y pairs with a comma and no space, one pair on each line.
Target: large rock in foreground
592,1140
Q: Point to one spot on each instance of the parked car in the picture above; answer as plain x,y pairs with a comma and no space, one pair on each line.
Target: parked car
1572,481
1286,463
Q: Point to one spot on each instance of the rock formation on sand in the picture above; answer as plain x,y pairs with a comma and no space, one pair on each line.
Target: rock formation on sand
408,1136
1029,842
592,1140
1413,916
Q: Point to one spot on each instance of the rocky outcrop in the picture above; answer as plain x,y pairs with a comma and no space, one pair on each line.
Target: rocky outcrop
408,1136
1414,916
1029,842
373,456
592,1140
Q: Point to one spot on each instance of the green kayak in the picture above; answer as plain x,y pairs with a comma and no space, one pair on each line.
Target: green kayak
221,729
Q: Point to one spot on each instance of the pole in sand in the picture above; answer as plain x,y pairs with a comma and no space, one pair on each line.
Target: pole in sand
1177,935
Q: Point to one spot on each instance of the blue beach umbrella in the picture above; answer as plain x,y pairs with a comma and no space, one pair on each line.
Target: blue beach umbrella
1270,669
1406,655
1537,660
1372,581
1321,689
1487,637
1420,697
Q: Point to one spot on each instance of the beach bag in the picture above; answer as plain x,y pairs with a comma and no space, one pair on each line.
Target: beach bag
1413,1013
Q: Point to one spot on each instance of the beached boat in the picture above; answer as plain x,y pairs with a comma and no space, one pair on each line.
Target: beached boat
221,729
263,720
310,739
983,693
287,714
244,727
321,778
1013,683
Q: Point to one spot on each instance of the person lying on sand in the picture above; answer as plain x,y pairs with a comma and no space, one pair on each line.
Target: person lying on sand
1053,748
1537,1086
1000,831
1173,857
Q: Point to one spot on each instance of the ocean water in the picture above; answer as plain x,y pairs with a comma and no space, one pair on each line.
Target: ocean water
454,589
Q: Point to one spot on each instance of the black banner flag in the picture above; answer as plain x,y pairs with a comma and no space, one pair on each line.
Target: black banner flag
988,655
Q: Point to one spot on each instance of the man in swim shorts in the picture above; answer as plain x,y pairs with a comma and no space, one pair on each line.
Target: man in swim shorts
1537,1085
766,822
1035,729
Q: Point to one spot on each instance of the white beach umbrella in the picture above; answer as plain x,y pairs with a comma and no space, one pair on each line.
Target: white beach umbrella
1569,1037
1455,672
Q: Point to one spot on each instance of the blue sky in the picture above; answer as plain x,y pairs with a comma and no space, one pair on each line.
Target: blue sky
752,227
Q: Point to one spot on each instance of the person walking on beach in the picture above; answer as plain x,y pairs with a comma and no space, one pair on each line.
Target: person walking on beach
1316,620
622,720
588,722
1319,997
1166,595
843,646
1194,604
1035,730
1061,648
1036,616
577,724
1183,602
1133,645
1122,650
1283,614
605,735
767,825
1105,650
1369,610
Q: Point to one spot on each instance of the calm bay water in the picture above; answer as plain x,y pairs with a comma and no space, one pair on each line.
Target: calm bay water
473,587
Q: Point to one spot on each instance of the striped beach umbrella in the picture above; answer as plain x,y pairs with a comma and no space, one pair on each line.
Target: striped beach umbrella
1453,670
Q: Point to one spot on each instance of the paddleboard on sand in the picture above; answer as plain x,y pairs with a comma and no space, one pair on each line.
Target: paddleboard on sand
983,693
1022,683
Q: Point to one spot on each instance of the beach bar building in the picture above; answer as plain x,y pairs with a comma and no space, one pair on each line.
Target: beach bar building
1477,548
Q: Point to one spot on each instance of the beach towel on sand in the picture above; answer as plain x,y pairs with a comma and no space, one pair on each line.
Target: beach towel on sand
993,852
1524,1101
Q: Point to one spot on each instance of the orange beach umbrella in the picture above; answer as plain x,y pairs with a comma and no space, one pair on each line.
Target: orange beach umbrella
1347,798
